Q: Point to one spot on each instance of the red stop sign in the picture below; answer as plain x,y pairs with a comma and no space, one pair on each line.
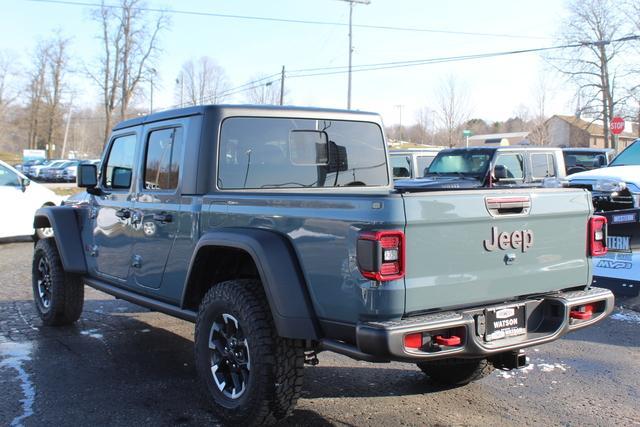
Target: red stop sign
617,125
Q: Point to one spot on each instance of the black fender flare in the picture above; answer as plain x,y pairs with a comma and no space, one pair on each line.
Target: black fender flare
280,273
66,234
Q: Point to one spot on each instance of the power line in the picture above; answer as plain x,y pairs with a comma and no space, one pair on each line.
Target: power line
295,21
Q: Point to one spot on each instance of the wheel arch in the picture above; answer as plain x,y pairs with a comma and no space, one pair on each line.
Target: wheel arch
264,255
66,232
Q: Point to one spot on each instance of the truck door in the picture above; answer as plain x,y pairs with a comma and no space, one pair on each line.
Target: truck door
157,205
113,230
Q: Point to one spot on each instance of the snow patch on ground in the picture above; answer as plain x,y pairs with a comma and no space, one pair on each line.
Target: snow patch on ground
522,373
13,355
93,333
626,316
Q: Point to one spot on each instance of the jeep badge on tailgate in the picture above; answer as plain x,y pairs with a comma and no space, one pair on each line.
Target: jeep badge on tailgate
519,239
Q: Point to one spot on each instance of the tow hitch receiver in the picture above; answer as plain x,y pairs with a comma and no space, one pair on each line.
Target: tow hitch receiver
510,360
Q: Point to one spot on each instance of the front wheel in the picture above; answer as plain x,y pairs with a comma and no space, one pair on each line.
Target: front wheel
58,296
456,372
252,375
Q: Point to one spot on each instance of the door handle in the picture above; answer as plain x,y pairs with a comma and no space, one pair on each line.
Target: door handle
163,217
123,213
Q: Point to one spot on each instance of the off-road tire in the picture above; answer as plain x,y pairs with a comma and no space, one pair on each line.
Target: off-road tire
275,377
456,372
65,291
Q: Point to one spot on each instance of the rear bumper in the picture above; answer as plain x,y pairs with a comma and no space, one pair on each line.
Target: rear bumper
547,319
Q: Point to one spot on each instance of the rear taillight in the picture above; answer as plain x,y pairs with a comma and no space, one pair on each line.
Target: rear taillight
597,238
380,255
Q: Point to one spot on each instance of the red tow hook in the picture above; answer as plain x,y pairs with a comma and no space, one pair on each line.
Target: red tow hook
582,312
451,341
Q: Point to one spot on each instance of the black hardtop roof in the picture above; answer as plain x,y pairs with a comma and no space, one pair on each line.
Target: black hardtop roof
248,110
593,149
500,148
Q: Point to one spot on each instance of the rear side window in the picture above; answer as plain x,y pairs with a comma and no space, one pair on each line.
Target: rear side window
542,165
162,160
119,164
263,153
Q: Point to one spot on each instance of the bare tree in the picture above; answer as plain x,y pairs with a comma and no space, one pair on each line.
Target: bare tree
423,128
593,66
538,132
202,81
264,91
57,63
36,93
8,94
453,109
129,44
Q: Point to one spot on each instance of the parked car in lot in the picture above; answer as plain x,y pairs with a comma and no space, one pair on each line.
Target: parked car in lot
55,173
475,167
20,198
583,159
34,170
279,233
411,163
69,174
616,195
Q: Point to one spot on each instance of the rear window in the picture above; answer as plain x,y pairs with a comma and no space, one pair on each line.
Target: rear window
263,153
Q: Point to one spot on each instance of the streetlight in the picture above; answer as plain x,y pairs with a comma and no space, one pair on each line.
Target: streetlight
266,85
399,106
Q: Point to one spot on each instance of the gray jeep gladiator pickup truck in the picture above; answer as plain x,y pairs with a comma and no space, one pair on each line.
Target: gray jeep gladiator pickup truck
279,233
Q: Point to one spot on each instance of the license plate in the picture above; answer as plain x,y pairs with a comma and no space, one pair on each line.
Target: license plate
505,321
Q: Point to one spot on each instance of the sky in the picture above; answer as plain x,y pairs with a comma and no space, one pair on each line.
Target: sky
496,87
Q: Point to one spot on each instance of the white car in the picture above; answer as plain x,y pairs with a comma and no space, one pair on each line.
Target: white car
20,198
616,186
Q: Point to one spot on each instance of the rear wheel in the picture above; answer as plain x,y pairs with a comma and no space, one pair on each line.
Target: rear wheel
252,375
456,372
58,296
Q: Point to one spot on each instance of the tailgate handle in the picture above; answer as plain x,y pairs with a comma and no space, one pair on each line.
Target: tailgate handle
508,205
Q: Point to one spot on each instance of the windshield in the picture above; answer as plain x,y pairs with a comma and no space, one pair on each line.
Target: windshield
630,156
472,163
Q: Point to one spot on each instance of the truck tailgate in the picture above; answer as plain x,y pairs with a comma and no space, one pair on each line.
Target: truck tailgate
448,262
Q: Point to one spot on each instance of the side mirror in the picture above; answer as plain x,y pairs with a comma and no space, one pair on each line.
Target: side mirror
24,183
500,172
121,177
87,176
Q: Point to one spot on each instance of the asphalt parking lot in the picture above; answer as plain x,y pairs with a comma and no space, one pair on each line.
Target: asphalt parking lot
124,365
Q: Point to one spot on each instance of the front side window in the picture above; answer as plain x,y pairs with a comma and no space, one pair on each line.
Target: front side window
263,153
8,177
119,164
512,164
423,163
162,161
401,166
542,166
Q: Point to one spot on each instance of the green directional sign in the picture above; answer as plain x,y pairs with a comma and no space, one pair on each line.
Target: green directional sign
467,132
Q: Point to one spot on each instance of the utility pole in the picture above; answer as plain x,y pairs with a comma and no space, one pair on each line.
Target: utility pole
351,3
66,131
153,73
282,86
399,106
180,80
